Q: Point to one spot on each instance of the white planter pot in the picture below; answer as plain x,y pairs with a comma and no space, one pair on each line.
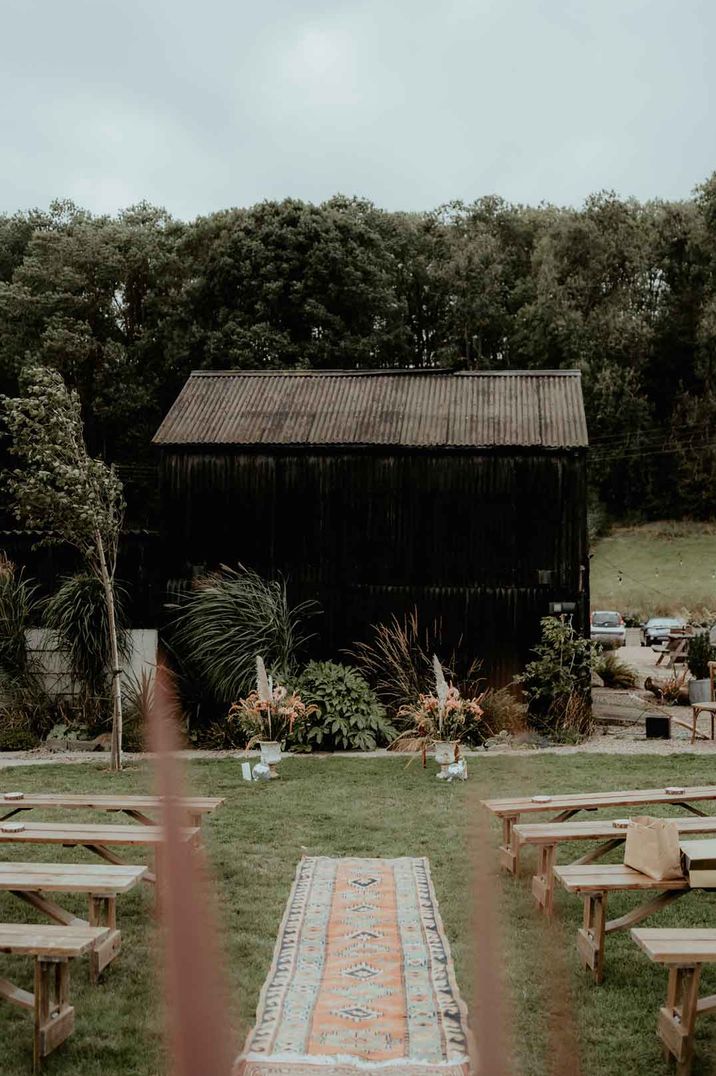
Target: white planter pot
699,691
446,753
270,755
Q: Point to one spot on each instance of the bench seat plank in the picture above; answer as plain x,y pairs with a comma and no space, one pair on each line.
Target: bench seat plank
91,834
70,877
600,829
610,877
685,945
586,800
33,939
103,802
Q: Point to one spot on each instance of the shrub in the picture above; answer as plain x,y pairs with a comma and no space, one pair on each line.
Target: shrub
16,733
398,662
501,711
349,715
557,685
701,652
615,673
228,618
23,698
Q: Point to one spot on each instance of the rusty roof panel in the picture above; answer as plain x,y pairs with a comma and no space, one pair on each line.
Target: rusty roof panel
421,409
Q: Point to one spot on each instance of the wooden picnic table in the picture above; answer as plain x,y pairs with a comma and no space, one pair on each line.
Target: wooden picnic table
101,882
99,839
546,836
684,952
52,947
134,806
593,882
564,807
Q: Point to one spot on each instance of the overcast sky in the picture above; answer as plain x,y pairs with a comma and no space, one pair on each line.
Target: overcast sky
197,105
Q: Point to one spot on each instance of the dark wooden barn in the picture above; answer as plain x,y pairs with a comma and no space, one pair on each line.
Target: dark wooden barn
461,494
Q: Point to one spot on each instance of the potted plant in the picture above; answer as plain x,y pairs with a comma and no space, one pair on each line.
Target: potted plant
267,717
440,720
701,652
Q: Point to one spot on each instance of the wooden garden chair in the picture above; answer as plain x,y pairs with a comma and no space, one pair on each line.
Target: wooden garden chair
594,882
52,947
30,882
564,807
546,837
698,708
684,952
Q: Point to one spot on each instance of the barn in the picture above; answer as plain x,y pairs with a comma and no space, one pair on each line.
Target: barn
460,494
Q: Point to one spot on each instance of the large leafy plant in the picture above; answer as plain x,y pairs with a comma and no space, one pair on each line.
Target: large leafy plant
225,619
348,714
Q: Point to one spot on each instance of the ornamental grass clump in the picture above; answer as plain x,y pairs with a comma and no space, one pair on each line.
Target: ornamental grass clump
225,619
268,714
438,717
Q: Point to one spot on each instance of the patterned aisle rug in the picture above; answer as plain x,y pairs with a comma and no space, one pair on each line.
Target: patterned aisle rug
362,980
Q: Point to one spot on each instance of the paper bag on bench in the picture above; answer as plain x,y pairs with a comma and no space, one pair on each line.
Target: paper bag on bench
652,847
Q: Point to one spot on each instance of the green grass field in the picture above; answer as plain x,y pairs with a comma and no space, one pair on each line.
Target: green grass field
655,569
372,808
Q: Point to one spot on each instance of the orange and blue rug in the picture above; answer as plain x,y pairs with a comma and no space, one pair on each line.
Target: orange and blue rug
362,979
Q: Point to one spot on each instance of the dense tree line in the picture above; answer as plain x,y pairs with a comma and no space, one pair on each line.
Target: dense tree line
126,306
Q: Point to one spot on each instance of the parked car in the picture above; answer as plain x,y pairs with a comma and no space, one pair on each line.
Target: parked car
608,628
658,628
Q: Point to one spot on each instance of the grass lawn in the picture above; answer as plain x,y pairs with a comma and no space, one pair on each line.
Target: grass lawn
666,568
372,808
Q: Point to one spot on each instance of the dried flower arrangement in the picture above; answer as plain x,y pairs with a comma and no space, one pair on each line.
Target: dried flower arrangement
439,717
269,713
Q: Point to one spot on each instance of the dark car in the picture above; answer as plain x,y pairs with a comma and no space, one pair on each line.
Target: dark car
658,629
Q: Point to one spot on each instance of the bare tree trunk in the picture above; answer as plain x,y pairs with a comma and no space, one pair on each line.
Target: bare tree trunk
115,761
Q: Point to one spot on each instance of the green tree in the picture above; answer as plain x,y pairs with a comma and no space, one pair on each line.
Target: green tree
61,490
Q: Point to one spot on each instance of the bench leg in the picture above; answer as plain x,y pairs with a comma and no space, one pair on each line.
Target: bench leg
677,1019
54,1016
103,913
543,881
509,851
590,939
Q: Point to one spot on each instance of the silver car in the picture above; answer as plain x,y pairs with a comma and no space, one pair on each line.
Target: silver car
608,628
658,628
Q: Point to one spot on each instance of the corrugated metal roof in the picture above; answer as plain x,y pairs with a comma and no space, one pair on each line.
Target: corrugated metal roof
408,408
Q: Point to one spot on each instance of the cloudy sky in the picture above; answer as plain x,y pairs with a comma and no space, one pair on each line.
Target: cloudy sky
197,105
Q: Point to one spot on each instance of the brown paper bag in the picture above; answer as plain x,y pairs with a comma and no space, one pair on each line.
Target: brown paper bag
652,847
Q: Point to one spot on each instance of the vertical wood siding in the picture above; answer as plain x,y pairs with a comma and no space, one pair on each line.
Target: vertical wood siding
479,541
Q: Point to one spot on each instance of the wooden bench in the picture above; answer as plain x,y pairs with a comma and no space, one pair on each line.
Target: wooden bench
102,884
96,838
564,807
134,806
593,882
547,836
684,952
52,947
